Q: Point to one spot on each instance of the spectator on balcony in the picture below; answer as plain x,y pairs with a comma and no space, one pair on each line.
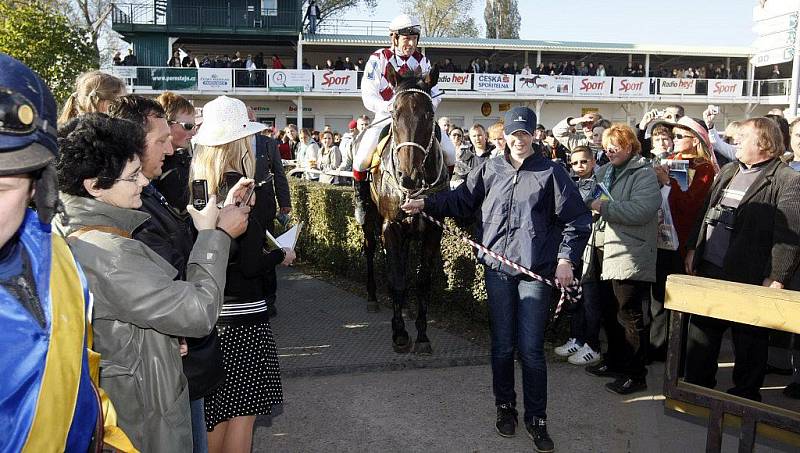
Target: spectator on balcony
487,67
312,14
592,69
306,64
277,63
776,72
237,62
188,61
739,72
348,64
339,65
474,66
329,65
448,66
526,70
601,70
117,58
582,70
206,62
541,69
130,59
360,64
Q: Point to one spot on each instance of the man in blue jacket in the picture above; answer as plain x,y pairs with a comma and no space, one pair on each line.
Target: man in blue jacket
531,213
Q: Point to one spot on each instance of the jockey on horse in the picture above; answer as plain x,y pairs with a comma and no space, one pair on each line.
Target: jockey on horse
378,97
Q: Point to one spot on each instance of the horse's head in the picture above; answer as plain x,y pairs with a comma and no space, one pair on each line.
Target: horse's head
415,152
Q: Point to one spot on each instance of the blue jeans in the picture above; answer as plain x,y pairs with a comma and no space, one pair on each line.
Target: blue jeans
518,310
199,434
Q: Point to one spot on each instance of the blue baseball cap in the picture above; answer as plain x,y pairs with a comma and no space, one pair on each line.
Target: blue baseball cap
520,119
28,137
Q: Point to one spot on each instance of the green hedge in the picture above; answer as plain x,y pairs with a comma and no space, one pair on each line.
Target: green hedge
332,240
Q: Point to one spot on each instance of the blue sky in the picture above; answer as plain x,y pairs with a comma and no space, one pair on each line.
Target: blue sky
679,22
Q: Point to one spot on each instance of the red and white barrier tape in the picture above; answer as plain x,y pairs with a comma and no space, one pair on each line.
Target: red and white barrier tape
571,293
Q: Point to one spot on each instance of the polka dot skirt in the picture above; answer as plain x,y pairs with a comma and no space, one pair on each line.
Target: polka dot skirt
252,374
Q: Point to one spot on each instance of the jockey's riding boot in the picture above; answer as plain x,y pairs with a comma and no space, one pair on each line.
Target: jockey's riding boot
362,195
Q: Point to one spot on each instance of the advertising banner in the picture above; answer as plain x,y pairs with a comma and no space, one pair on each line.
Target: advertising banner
292,80
173,79
494,82
543,84
219,79
677,86
455,81
124,72
632,86
591,86
338,81
724,87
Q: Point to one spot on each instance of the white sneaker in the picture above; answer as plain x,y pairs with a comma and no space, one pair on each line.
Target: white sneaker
585,356
568,348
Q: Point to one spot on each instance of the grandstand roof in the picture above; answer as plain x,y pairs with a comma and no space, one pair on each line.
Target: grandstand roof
534,45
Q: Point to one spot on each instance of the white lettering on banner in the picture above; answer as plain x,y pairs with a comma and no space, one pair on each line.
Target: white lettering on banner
217,79
678,86
632,86
455,81
339,81
724,87
494,82
592,86
290,80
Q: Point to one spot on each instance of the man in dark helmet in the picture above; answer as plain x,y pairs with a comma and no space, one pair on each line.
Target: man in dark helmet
48,399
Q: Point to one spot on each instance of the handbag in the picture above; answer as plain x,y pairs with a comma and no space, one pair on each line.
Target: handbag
203,365
667,238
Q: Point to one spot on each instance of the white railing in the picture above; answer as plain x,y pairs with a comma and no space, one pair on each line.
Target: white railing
230,80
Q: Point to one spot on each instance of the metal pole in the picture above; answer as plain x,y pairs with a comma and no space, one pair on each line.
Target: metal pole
647,65
795,76
300,51
299,112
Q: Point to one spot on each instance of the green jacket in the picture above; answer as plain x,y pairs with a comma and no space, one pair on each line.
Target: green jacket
139,311
631,222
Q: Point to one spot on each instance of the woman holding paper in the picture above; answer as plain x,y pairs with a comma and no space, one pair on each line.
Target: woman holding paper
224,153
691,144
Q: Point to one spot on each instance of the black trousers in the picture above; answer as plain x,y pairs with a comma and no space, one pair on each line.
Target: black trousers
667,262
703,342
623,320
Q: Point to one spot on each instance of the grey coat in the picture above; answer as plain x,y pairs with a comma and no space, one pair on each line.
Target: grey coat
631,223
139,311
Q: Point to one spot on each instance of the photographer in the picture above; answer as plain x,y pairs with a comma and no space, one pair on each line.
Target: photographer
749,233
671,113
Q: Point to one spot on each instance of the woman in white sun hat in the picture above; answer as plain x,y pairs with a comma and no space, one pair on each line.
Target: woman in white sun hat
223,155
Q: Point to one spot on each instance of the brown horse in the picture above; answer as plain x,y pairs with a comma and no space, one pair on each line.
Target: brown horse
412,165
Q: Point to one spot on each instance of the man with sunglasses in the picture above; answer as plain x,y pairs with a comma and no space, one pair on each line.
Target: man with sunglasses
173,182
49,403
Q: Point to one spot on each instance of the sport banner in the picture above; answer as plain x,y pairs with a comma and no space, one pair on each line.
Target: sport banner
677,86
543,84
455,81
292,80
338,81
725,87
494,82
591,86
173,79
218,79
632,86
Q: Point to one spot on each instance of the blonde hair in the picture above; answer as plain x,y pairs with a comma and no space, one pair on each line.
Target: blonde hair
90,89
211,162
496,130
174,105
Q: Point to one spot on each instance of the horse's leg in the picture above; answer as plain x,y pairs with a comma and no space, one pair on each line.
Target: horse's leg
430,243
370,244
396,253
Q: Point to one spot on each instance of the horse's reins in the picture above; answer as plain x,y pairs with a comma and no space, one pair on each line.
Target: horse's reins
571,293
407,194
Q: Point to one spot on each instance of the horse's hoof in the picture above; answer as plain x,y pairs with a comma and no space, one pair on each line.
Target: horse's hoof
423,348
373,306
401,344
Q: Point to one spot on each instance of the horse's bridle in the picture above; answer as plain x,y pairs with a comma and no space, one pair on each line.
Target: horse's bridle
407,194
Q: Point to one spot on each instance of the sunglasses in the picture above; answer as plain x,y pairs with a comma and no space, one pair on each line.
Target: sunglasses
18,116
681,136
579,162
185,126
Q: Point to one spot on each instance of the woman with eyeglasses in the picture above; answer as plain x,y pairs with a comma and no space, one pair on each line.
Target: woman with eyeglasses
625,250
224,154
691,143
140,310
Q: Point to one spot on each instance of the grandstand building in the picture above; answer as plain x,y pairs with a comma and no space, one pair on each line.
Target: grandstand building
314,98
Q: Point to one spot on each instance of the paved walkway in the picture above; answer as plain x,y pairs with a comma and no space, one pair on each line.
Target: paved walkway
347,391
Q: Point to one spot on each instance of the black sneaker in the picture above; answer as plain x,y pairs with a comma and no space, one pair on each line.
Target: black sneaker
537,430
506,420
792,391
626,386
603,369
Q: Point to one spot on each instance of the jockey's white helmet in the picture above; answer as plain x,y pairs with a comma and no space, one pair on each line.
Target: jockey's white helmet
405,25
